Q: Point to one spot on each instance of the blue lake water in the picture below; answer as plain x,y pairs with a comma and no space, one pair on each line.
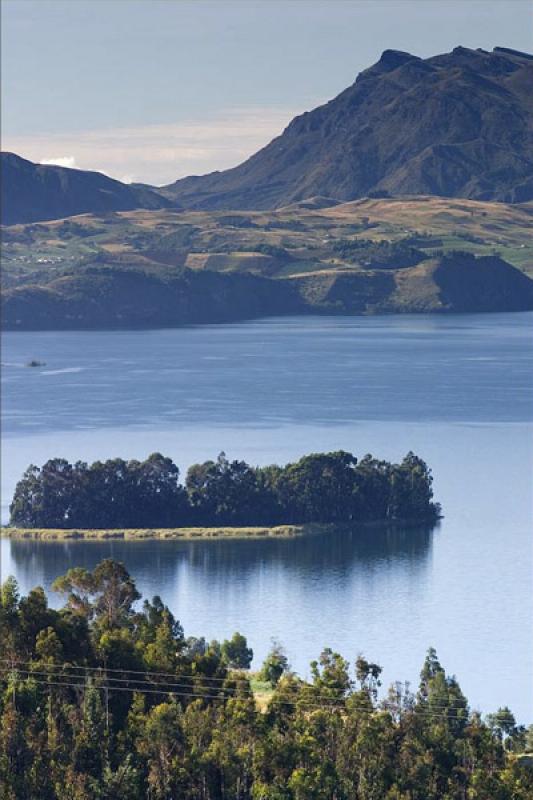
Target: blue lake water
458,390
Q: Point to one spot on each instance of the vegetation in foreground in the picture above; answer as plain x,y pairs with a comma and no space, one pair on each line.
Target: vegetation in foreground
101,700
319,488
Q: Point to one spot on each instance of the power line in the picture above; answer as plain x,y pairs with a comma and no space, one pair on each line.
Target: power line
155,676
333,703
30,672
85,686
125,670
100,672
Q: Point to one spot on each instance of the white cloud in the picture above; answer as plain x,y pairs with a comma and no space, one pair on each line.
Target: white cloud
160,154
61,161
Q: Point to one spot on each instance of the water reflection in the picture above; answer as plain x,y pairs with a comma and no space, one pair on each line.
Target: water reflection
157,565
456,389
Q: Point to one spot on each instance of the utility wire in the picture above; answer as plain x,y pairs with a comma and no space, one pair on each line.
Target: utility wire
102,672
332,703
125,670
30,672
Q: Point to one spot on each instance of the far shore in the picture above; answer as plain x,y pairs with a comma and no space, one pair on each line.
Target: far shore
143,534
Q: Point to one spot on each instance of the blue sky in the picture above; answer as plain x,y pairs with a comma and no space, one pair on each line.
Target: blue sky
153,90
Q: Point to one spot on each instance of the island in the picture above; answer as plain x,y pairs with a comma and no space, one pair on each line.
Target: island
219,497
184,533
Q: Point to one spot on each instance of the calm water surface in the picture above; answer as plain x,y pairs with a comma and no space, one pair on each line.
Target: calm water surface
457,390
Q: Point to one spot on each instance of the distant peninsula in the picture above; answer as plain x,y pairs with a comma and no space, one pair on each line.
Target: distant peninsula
161,268
320,488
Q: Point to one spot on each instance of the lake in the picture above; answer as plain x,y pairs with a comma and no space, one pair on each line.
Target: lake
458,390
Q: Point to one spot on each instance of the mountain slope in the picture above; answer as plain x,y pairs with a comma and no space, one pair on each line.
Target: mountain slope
35,192
458,125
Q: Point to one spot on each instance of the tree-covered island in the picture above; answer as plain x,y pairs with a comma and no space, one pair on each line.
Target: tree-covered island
331,488
105,699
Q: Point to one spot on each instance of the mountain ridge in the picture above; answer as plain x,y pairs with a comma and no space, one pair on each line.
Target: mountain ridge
40,192
446,112
458,124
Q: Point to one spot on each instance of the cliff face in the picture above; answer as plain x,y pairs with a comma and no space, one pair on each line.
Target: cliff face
456,125
455,283
129,298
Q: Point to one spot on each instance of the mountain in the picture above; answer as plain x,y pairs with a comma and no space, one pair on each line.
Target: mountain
36,192
453,125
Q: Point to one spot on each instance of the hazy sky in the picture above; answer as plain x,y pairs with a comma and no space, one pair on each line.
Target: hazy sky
152,90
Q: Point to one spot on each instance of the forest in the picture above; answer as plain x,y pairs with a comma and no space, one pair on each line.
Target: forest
320,487
107,699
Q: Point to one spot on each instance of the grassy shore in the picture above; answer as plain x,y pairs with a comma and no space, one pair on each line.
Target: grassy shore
142,534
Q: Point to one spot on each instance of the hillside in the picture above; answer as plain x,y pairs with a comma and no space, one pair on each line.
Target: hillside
167,267
115,297
34,192
281,243
453,283
454,125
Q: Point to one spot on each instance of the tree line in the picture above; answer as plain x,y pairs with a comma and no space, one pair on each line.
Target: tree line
320,487
383,254
106,699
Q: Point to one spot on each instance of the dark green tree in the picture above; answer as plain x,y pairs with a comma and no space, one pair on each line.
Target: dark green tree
236,652
275,664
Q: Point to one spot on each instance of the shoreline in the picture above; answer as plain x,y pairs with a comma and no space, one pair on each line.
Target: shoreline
162,534
244,320
204,533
